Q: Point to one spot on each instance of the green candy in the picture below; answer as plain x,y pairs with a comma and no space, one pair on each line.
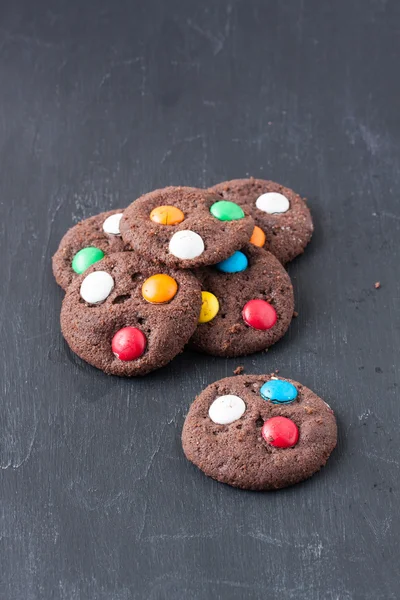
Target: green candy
224,210
85,258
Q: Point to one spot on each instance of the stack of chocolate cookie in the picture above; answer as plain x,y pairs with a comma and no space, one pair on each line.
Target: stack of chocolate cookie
205,267
181,265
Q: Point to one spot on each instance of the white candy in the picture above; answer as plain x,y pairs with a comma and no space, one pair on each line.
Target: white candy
111,224
226,409
186,244
96,287
272,202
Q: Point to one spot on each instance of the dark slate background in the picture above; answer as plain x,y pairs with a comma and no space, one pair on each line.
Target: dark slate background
101,101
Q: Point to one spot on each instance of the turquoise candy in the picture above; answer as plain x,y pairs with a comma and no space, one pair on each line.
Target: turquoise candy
278,391
234,264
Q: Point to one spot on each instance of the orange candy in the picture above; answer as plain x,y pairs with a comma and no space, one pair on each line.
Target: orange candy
167,215
258,237
160,288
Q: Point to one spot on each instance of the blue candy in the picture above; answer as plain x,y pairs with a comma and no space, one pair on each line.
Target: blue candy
278,391
234,264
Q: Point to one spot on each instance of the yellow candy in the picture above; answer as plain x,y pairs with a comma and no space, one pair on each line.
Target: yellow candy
209,307
159,289
167,215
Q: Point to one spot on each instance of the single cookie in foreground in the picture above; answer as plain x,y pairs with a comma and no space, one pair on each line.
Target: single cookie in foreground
283,220
247,304
259,432
86,243
185,227
127,316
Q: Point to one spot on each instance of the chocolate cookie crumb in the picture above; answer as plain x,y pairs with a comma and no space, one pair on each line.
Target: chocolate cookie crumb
239,370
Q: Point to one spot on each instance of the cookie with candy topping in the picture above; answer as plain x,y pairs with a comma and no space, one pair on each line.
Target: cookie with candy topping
247,305
259,432
280,213
127,316
86,243
185,227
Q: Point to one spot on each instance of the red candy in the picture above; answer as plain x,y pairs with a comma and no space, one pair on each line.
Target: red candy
280,432
259,314
128,343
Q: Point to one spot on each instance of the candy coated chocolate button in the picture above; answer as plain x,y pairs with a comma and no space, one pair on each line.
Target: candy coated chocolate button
96,287
224,210
278,391
167,215
128,343
273,203
259,314
258,237
159,288
209,307
226,409
111,224
280,432
186,244
85,258
234,264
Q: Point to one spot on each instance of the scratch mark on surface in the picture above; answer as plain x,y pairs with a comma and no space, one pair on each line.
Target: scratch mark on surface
17,465
389,215
227,28
372,140
192,138
364,415
165,581
144,519
51,223
17,37
105,78
313,547
300,20
28,454
217,42
383,458
183,536
153,455
165,156
189,140
204,161
258,535
39,335
143,84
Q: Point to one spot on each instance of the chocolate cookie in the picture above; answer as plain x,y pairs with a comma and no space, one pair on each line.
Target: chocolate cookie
185,227
127,316
281,214
247,304
86,243
259,432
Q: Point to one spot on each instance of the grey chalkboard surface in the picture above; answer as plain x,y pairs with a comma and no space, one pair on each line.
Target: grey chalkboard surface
101,101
